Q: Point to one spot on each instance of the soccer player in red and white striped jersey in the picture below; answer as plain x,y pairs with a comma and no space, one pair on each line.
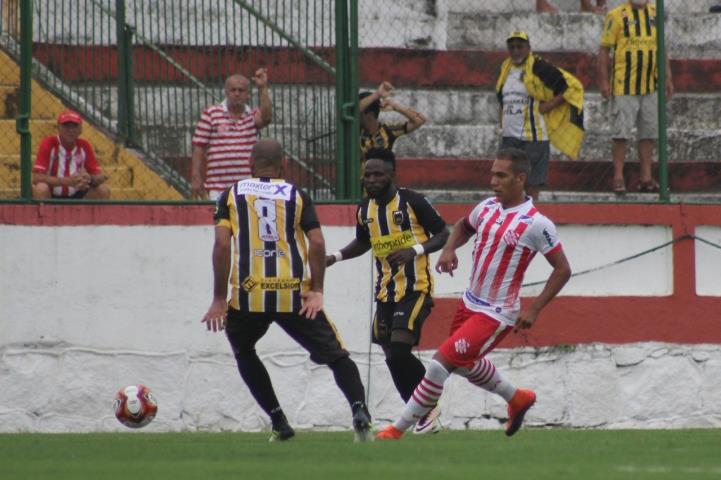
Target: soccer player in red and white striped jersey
66,166
226,134
508,232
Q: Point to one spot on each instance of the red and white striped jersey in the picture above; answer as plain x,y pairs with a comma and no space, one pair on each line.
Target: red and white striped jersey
506,242
229,141
54,160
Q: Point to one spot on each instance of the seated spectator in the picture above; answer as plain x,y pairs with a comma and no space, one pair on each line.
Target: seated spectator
377,134
66,166
586,6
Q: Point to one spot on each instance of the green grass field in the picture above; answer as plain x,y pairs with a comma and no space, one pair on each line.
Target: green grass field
531,455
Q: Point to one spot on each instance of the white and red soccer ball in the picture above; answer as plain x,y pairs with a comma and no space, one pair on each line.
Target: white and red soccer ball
135,406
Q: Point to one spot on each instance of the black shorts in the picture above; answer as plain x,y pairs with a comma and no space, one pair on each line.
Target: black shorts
319,336
408,314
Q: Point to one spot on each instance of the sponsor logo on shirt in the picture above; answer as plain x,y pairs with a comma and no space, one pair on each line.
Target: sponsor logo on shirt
548,238
386,244
270,283
275,191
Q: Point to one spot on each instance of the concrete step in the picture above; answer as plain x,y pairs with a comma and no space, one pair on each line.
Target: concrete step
529,6
586,176
9,71
485,24
482,141
689,36
560,196
119,176
42,107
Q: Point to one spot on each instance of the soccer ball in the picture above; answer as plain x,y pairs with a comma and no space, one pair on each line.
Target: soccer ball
135,406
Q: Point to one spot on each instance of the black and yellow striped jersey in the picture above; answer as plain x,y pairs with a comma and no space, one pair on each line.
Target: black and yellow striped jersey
408,219
631,33
268,219
384,137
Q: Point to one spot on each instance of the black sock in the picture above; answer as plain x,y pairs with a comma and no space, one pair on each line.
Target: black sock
256,377
406,369
348,380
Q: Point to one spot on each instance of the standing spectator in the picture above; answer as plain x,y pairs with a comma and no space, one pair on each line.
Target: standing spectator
586,6
225,135
630,82
539,104
402,228
508,232
377,134
66,166
268,221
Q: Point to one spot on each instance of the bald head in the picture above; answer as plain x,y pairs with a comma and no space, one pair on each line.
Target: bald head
266,157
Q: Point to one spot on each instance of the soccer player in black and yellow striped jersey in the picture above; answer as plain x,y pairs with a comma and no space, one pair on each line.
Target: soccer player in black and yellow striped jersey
402,228
630,79
276,239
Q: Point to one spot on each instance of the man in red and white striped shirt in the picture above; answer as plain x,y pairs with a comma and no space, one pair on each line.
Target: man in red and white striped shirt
226,134
65,166
508,232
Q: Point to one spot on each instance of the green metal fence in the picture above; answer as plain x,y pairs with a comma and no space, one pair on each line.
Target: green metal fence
443,59
141,72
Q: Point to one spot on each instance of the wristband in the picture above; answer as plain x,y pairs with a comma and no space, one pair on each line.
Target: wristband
419,249
338,256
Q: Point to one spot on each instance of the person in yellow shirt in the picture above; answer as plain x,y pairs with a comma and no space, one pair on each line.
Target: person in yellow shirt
630,80
540,105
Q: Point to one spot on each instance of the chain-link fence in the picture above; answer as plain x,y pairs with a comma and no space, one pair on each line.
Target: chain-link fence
141,80
141,72
444,59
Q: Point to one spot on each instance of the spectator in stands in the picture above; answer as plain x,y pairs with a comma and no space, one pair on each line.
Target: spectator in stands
377,134
66,166
630,81
226,134
540,104
586,6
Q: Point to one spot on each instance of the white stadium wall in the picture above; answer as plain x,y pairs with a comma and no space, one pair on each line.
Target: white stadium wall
92,300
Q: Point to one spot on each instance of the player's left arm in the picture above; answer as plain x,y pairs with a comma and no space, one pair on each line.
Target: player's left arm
558,278
313,299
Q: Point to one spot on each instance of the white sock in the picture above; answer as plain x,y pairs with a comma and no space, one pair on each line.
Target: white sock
424,397
485,375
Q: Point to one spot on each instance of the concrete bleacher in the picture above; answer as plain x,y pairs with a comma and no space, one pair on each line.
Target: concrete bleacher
443,56
128,177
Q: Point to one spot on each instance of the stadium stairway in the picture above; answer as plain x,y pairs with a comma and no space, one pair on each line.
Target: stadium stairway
128,177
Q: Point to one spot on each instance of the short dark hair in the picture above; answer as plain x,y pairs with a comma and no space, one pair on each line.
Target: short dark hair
387,156
519,160
374,108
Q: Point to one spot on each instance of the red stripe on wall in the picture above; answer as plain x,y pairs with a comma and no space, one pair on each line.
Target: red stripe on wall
682,317
573,320
402,67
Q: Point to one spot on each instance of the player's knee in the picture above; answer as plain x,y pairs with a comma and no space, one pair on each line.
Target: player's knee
398,352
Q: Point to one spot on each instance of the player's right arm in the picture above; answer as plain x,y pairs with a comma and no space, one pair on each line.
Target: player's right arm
214,319
359,245
461,233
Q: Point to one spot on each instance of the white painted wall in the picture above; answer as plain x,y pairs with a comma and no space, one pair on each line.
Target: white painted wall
708,261
86,310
